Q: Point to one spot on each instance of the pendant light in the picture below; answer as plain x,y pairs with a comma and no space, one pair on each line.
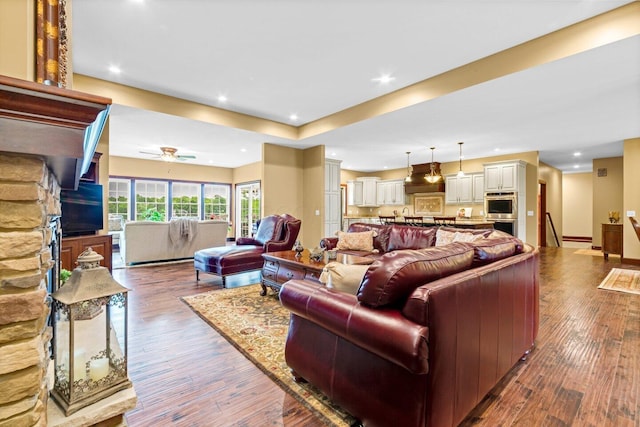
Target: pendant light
460,173
408,177
432,177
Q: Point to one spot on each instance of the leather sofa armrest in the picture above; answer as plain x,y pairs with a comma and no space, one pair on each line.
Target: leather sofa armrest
277,245
329,243
385,332
247,241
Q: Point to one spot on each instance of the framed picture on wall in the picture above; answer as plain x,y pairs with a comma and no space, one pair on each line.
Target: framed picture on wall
428,204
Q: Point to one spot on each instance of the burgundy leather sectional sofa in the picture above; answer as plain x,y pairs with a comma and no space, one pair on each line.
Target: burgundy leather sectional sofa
427,335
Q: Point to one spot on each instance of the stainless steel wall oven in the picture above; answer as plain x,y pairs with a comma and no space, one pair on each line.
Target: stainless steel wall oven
502,210
501,205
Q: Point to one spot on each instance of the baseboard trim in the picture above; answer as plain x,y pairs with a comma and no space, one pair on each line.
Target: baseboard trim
632,261
584,239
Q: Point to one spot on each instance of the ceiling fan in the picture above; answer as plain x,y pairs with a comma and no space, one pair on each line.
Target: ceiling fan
168,154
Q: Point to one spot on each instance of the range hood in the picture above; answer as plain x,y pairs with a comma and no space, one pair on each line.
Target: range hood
418,184
61,125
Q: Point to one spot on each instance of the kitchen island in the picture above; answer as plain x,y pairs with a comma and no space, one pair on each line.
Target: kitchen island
427,221
458,223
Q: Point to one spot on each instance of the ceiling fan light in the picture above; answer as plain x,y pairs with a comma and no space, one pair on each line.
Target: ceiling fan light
167,157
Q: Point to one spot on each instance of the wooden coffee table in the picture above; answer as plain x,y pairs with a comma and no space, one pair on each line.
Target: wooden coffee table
280,267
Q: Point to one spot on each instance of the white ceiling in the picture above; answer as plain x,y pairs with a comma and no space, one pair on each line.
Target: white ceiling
315,58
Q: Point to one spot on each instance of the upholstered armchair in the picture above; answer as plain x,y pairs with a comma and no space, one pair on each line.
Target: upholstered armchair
269,230
274,233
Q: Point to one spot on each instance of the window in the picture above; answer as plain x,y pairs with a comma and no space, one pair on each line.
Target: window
247,208
216,201
185,200
119,190
188,199
151,200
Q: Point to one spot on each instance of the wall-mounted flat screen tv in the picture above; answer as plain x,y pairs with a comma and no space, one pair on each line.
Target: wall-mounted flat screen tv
81,210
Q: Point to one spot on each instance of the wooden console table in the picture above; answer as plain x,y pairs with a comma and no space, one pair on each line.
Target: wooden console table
611,239
282,266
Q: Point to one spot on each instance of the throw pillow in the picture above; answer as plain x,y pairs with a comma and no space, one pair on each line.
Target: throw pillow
487,251
343,277
362,241
444,237
408,237
115,222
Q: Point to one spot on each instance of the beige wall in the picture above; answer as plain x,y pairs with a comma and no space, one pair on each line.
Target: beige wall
313,197
103,174
248,173
631,197
577,205
607,193
139,168
17,39
553,179
282,180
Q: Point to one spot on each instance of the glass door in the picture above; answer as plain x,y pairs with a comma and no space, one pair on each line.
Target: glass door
247,208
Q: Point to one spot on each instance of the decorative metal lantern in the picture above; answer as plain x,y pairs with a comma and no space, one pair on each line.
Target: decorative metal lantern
90,336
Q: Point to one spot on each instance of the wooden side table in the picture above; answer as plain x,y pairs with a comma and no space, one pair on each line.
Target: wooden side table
279,267
611,239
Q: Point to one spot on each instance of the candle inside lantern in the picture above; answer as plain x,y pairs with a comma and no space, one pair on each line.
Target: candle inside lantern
79,365
98,369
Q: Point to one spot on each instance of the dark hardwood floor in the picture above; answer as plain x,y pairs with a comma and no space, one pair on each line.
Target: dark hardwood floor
585,370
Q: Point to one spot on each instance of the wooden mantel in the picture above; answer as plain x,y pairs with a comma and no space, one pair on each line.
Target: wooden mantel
51,122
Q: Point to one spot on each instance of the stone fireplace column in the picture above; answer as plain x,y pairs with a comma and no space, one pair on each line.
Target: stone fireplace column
29,198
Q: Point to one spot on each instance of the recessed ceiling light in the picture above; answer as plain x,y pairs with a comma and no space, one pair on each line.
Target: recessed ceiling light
333,153
222,98
383,79
293,117
115,70
576,166
497,150
577,154
243,150
384,167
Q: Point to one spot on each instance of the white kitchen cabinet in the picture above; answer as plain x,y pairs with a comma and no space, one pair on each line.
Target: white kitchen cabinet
354,193
458,189
369,191
380,192
466,189
478,187
391,192
398,191
504,176
332,207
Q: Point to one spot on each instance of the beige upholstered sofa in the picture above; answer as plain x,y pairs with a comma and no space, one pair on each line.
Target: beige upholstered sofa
145,241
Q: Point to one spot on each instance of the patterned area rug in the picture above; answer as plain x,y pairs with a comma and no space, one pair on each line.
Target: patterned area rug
623,280
257,326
